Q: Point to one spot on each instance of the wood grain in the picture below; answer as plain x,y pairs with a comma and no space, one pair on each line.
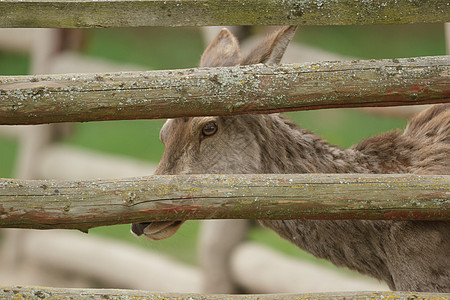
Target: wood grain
24,292
131,13
223,91
82,205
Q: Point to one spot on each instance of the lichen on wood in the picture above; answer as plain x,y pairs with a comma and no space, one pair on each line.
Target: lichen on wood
44,204
223,91
44,293
131,13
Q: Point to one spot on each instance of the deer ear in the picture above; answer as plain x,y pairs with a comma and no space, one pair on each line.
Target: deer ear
272,49
222,52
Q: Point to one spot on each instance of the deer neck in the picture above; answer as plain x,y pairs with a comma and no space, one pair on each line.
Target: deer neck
355,244
351,243
295,150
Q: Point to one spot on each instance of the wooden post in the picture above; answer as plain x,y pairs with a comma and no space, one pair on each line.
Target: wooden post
31,144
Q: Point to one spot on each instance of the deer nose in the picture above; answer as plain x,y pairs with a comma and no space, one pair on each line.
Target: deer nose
138,228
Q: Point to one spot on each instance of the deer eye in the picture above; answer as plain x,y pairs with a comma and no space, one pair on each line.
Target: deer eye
209,128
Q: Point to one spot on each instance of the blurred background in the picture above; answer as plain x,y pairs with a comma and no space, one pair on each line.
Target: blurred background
132,148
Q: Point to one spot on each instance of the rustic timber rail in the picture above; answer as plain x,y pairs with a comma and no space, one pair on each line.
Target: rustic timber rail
161,94
20,293
128,13
82,205
223,91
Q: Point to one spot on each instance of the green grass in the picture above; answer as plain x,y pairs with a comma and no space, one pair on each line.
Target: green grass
137,138
168,48
155,48
377,41
14,63
8,153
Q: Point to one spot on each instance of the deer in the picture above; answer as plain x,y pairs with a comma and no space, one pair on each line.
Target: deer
407,255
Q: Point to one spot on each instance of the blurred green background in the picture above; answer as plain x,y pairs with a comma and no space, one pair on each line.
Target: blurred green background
169,48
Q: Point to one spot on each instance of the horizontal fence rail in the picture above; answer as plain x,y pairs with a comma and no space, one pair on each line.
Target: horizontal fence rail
23,292
82,205
20,292
223,91
129,13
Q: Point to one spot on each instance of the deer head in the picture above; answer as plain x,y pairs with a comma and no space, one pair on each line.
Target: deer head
230,144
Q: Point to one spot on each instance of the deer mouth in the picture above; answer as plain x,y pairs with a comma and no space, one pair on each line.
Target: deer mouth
156,230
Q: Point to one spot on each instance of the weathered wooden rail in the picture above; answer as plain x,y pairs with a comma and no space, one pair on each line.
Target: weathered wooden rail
84,204
223,91
23,293
127,13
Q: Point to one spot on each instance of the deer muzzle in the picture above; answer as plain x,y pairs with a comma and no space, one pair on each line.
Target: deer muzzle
156,230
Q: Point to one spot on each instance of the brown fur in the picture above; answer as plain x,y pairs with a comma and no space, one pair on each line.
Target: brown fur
408,255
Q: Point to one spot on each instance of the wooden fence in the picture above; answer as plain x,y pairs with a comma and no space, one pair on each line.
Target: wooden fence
89,97
222,91
120,13
20,293
85,204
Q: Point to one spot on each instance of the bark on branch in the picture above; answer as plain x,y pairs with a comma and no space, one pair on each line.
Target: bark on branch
131,13
81,205
223,91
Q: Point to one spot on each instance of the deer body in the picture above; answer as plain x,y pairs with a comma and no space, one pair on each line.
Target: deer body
407,255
